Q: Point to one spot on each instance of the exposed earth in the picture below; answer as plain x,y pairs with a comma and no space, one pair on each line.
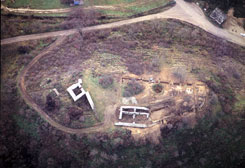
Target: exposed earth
42,11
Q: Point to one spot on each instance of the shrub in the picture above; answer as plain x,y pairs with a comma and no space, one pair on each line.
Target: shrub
234,72
24,50
179,74
74,113
79,18
106,81
155,65
132,88
136,68
50,103
66,1
157,88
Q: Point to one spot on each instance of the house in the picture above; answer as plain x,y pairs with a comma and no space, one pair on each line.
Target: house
218,16
78,2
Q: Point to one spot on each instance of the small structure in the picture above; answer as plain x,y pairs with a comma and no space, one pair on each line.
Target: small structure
218,16
133,110
75,96
73,87
131,125
56,91
78,2
151,80
189,90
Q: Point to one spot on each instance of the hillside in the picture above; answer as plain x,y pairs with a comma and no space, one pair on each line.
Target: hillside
163,49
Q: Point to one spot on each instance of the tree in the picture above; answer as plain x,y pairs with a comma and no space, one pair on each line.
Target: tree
157,88
106,81
180,74
79,18
66,1
132,88
50,103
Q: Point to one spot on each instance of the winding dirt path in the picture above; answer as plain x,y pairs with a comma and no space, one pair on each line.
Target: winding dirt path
183,11
28,99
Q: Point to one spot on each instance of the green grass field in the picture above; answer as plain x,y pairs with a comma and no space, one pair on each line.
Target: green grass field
133,7
124,8
35,4
109,2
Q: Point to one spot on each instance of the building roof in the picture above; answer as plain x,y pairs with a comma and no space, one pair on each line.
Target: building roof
218,15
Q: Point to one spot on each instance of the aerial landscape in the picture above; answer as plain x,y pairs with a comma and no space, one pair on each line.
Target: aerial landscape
122,83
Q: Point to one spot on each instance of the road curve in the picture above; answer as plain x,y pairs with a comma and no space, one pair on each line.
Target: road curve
181,11
28,99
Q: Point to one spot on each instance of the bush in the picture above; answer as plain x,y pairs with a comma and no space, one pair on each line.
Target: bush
157,88
79,18
24,50
50,103
66,1
106,81
132,88
155,65
74,113
234,72
136,68
180,74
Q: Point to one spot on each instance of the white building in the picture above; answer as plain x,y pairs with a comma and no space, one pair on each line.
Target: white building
81,94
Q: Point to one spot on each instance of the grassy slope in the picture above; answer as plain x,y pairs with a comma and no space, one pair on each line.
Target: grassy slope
10,55
108,2
35,4
16,26
54,4
129,9
215,142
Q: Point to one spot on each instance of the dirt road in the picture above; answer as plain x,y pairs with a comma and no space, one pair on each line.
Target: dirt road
47,11
183,11
28,99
